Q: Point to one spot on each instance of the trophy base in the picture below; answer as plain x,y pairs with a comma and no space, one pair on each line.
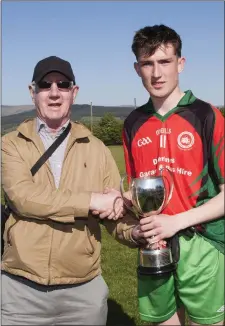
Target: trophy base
156,270
156,261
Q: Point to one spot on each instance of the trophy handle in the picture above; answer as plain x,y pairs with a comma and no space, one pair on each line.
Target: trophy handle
122,191
171,187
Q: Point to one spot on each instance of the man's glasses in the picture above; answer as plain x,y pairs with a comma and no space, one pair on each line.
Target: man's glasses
60,84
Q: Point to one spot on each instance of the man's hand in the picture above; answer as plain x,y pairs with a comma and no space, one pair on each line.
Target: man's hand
109,204
138,236
158,227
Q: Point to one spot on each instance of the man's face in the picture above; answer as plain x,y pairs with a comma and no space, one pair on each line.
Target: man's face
159,72
53,104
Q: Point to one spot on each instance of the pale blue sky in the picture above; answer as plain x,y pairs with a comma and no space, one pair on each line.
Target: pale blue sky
96,38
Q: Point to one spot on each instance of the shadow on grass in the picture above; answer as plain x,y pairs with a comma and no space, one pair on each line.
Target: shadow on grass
116,315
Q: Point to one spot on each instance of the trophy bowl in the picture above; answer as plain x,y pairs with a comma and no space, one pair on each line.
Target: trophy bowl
150,195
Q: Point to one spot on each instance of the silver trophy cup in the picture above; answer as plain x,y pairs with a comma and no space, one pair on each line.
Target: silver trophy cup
150,195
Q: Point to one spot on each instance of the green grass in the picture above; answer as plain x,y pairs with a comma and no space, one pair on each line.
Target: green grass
117,152
119,271
119,266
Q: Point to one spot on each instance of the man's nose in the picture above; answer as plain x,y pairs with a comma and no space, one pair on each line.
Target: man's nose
54,91
156,71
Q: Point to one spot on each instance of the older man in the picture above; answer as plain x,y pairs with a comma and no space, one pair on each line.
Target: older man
51,262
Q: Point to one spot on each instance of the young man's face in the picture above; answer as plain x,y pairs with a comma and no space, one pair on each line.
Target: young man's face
54,103
159,72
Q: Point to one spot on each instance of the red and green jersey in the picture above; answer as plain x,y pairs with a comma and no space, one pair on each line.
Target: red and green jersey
189,142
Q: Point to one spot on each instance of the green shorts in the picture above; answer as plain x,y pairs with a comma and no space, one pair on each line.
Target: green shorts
197,284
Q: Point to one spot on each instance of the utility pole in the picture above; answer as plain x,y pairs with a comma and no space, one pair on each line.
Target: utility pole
135,106
91,118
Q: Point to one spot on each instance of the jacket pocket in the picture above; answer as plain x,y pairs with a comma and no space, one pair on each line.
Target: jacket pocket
10,231
90,247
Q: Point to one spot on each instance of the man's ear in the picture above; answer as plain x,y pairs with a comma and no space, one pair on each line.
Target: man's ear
32,92
75,92
181,63
137,68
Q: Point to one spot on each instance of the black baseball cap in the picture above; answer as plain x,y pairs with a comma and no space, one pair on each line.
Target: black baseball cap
51,64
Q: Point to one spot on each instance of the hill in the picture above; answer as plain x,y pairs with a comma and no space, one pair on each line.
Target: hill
10,109
79,112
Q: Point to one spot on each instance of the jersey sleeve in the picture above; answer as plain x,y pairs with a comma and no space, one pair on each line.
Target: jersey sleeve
127,155
218,146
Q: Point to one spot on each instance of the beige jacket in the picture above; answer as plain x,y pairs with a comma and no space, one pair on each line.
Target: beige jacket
51,237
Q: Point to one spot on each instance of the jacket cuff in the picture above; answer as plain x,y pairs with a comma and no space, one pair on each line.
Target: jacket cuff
82,204
128,237
139,242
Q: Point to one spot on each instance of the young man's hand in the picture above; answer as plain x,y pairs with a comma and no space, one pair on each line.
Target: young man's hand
158,227
138,237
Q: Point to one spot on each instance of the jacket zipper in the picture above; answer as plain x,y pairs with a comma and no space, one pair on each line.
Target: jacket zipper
50,251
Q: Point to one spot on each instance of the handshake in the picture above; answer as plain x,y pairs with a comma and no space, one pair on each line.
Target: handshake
109,204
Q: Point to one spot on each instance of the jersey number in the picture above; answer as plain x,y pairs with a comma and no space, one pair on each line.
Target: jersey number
163,141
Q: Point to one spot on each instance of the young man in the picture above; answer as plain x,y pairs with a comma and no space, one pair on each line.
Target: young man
51,273
178,131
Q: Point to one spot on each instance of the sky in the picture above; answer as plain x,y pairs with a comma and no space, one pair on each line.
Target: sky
96,37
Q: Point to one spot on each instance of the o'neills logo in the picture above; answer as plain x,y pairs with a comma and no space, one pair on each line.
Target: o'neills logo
185,140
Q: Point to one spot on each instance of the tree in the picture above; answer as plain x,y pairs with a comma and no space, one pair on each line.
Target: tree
109,130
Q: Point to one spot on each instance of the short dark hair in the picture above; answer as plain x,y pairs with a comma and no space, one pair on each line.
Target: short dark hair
149,38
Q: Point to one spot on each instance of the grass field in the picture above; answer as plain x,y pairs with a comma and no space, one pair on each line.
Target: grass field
119,265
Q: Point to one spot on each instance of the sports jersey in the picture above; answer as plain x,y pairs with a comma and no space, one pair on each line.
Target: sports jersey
189,142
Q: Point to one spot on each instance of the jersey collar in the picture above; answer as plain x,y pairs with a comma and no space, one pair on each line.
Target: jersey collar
186,100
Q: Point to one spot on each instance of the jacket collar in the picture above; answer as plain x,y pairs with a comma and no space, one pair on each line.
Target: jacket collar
29,130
